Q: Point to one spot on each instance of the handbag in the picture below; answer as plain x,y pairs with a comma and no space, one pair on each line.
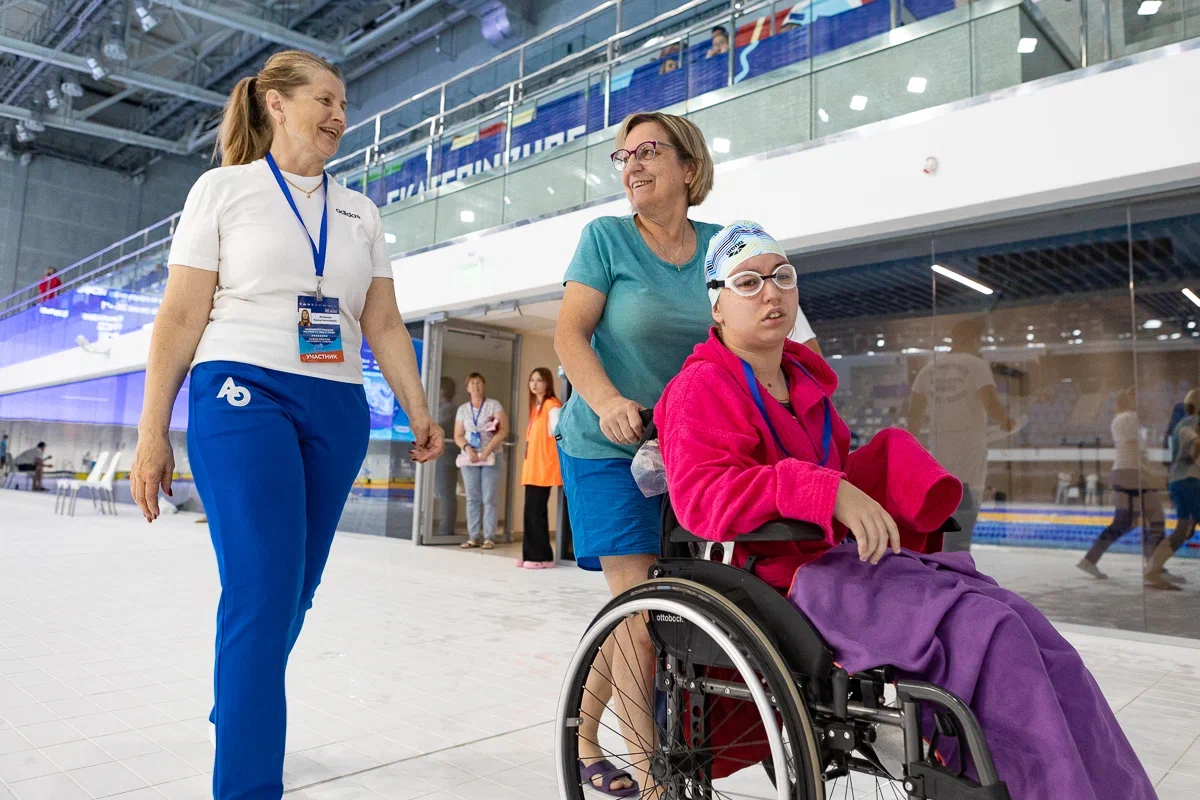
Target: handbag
464,460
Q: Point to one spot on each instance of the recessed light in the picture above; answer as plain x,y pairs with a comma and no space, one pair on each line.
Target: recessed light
1152,324
1149,8
858,102
917,85
466,215
1176,335
1162,337
1190,295
720,145
823,114
1027,45
963,279
390,238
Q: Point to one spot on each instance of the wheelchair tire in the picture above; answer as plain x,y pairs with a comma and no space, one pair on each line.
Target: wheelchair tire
794,745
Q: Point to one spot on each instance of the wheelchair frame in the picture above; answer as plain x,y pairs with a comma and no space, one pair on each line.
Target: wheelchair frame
838,714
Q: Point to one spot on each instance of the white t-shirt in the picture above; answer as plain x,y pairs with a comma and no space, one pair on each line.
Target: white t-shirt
1127,439
237,223
801,331
477,420
952,383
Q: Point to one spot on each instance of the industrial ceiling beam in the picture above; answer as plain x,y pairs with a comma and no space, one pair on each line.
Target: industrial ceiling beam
100,131
127,77
255,25
385,31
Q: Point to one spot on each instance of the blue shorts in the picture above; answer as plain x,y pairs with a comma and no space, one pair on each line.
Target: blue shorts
1185,494
609,514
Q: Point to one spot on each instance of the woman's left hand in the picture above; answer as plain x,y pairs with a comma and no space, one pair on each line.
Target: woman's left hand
429,440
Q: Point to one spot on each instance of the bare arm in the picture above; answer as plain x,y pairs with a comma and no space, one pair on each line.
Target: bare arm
384,329
581,310
994,408
460,435
916,412
178,327
500,437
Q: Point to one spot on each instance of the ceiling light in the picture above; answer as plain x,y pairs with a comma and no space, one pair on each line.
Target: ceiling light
880,342
52,101
1029,337
963,279
1149,8
917,85
836,356
1026,46
114,50
507,202
1190,295
1191,325
390,238
71,88
23,134
1076,332
148,20
1176,335
98,70
1152,324
1162,337
550,189
858,102
823,114
466,215
720,145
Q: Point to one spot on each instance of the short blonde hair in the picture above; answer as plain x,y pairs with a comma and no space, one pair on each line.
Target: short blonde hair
689,143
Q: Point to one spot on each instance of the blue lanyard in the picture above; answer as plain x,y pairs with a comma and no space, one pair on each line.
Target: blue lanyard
475,414
318,251
826,432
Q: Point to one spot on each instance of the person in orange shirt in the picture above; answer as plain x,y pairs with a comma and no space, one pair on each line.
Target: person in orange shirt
540,471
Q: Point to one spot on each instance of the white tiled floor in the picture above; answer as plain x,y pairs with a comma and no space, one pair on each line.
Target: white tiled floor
422,672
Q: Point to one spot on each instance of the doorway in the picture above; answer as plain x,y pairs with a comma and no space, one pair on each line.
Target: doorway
454,350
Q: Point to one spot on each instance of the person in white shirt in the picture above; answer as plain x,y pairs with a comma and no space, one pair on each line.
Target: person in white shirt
278,418
480,430
964,396
1137,487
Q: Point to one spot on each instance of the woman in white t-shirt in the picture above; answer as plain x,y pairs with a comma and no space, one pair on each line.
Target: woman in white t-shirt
1137,485
480,429
276,273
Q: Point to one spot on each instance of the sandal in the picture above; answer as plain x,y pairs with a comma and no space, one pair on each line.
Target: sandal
488,544
608,774
468,544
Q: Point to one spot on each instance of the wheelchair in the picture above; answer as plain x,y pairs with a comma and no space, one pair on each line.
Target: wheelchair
732,656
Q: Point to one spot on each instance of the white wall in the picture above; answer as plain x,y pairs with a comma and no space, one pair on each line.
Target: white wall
1118,131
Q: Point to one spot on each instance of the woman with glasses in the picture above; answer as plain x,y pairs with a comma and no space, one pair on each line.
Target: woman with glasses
634,306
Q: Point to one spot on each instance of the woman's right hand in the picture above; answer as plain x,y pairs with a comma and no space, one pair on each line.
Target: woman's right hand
873,528
620,421
153,466
472,454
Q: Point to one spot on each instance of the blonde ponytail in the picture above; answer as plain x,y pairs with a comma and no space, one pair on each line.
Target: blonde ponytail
246,128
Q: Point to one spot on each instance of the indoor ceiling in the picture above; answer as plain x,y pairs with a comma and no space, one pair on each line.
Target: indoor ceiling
119,83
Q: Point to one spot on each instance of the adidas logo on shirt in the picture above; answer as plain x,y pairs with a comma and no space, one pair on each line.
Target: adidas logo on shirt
347,214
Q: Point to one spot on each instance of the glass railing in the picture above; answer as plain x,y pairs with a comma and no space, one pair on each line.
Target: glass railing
528,133
792,73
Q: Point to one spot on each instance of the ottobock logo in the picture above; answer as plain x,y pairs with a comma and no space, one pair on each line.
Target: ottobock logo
237,396
660,617
347,214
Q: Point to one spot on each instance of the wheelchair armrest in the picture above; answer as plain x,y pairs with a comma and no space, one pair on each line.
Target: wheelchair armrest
950,526
780,530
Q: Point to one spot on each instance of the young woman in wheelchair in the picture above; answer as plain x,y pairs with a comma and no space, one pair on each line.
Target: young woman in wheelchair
749,434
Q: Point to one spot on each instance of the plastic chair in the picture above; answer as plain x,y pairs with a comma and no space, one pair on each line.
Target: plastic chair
1064,485
104,488
66,492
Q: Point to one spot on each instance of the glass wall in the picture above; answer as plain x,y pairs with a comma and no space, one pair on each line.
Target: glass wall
1044,362
79,421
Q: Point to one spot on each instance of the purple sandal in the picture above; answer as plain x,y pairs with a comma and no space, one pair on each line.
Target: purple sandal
608,774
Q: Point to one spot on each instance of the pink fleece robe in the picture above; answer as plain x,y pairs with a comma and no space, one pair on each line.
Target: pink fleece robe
727,476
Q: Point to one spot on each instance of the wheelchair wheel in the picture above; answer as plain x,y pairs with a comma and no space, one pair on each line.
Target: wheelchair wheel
712,666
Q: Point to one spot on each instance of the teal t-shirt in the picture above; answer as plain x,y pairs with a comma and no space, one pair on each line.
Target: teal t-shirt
654,315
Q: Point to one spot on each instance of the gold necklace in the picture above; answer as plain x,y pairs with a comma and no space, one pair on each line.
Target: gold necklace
307,192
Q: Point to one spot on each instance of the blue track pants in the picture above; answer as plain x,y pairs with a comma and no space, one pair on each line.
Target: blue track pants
274,456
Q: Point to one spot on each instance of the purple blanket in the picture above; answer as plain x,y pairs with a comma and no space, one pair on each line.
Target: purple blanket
936,618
